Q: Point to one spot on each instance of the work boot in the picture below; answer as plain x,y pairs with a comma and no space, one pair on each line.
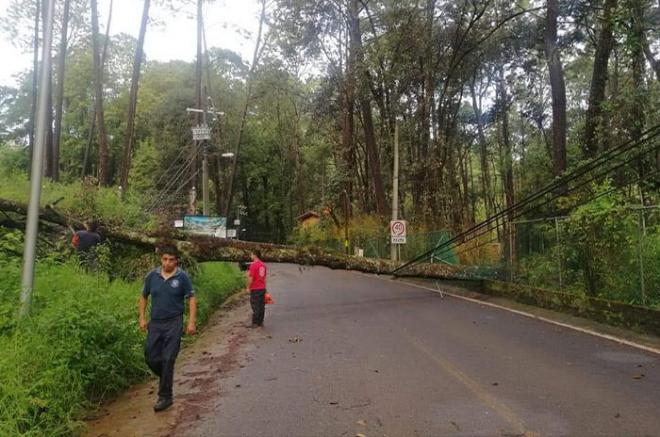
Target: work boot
162,404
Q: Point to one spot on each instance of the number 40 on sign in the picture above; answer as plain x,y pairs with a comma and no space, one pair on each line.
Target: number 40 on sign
398,231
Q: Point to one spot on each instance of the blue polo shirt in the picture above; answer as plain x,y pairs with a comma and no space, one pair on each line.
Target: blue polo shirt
167,295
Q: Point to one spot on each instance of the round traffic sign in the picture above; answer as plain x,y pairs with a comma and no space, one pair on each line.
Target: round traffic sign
398,228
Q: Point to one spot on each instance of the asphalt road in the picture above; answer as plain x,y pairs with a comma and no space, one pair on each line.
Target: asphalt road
344,354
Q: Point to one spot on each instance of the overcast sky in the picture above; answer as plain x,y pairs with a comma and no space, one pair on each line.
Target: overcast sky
172,37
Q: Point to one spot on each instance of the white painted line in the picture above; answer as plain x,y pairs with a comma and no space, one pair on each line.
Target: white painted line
533,316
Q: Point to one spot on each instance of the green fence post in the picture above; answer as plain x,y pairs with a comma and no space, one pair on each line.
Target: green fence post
641,231
558,252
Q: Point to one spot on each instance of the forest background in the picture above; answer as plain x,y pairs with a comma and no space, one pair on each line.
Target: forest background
492,100
489,101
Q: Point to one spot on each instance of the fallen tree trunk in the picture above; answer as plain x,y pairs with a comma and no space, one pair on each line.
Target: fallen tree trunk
48,214
213,249
204,248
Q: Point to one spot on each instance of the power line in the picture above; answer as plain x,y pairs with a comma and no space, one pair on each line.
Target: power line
552,186
555,196
176,179
181,186
170,167
604,193
447,249
171,183
549,188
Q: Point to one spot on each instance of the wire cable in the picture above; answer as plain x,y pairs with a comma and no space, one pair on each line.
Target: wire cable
447,250
175,179
560,182
153,207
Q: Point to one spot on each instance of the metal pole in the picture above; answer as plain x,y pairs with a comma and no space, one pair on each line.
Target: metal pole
641,232
346,245
395,188
192,200
641,201
511,252
205,171
32,226
198,94
558,252
205,184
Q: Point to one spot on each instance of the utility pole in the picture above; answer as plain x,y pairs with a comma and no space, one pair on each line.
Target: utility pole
202,133
346,217
198,93
205,184
395,187
32,226
205,170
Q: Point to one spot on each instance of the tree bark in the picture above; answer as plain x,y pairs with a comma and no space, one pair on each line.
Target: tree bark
59,105
348,152
129,141
427,64
639,101
637,57
483,151
216,249
507,165
92,124
104,157
363,79
558,88
655,64
599,81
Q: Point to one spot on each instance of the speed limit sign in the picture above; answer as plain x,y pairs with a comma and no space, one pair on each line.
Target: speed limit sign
398,231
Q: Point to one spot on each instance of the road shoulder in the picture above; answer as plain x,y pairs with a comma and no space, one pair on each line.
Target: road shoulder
619,335
219,351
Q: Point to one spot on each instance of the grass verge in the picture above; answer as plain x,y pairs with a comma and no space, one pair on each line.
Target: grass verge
80,345
83,201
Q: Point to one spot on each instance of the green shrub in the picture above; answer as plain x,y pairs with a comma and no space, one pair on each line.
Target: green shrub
601,243
13,158
80,345
82,201
223,278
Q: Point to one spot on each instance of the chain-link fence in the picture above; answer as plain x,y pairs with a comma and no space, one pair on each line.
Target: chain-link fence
416,243
614,254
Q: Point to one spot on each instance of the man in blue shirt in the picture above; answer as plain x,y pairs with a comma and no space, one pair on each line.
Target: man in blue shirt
169,287
85,243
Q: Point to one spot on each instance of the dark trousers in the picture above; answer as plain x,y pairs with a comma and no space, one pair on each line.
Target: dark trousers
161,350
87,259
258,303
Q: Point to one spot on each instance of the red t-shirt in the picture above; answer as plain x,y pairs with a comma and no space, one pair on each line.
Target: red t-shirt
258,272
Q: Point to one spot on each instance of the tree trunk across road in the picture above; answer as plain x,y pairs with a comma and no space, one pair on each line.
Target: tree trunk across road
215,249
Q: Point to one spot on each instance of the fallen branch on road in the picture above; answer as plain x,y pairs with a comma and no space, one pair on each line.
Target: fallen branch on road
215,249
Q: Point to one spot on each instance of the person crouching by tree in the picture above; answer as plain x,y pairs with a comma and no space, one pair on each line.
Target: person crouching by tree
169,287
85,243
256,285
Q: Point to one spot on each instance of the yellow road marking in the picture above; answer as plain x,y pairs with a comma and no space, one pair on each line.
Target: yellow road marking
482,394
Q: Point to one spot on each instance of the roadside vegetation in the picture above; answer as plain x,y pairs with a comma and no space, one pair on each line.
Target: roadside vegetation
81,344
485,103
78,200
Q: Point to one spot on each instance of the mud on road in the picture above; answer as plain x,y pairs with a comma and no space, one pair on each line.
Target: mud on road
202,366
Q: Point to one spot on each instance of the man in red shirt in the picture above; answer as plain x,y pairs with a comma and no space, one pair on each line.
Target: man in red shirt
256,285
